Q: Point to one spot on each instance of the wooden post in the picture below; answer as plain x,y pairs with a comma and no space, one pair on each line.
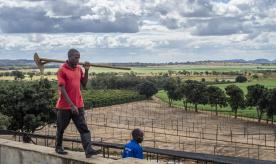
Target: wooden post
195,145
177,127
265,139
217,135
258,152
247,138
151,125
154,140
179,142
186,132
274,139
182,122
172,124
259,134
235,149
202,133
231,135
214,149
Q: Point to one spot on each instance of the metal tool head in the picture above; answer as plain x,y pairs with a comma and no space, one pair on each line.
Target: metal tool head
39,63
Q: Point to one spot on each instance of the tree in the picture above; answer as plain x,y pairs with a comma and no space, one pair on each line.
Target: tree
147,88
170,72
196,93
31,75
173,91
28,105
271,103
216,97
240,79
236,98
17,75
255,76
256,96
4,121
183,90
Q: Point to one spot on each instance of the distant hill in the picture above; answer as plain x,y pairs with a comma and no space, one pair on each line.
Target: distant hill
19,62
12,64
6,64
235,61
260,61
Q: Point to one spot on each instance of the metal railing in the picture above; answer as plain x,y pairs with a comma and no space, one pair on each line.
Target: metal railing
150,153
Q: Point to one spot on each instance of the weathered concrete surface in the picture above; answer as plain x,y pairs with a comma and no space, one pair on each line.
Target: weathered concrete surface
12,152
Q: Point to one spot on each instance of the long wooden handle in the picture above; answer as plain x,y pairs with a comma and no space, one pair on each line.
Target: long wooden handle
45,60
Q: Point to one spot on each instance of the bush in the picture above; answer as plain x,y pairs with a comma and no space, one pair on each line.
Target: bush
4,121
27,104
241,79
99,98
147,88
125,81
18,75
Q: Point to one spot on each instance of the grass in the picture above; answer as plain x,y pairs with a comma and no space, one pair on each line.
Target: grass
247,112
269,83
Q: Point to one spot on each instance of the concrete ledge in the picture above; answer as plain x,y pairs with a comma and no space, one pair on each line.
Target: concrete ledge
23,153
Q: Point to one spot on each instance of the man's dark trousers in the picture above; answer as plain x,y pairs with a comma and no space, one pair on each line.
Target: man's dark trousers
63,120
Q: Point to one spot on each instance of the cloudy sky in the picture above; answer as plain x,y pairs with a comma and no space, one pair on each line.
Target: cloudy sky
139,30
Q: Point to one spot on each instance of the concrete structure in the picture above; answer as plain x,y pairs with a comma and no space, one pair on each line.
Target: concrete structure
12,152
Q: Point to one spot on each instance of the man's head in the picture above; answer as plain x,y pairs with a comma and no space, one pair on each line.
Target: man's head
73,57
138,135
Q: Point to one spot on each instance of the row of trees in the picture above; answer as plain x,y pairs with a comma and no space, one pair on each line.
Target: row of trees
19,75
125,81
196,93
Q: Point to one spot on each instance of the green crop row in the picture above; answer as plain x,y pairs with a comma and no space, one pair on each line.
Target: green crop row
99,98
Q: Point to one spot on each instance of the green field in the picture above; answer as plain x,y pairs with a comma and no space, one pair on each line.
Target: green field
203,68
165,68
269,83
248,112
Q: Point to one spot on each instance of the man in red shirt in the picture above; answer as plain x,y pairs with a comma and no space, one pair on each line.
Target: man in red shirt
70,103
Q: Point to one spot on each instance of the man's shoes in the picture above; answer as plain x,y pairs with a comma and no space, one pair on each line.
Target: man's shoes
92,152
61,151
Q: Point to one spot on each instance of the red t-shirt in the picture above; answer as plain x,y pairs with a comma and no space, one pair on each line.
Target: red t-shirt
70,78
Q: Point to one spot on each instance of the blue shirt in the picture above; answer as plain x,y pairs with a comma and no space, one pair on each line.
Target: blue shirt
133,149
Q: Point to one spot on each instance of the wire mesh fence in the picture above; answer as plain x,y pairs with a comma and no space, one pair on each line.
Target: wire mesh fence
177,129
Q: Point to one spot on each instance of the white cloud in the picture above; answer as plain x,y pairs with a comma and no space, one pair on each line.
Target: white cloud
228,10
21,3
176,27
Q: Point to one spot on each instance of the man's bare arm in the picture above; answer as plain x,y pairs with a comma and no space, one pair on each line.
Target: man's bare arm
85,79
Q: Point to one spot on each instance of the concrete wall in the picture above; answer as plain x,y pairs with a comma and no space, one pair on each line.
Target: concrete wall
12,152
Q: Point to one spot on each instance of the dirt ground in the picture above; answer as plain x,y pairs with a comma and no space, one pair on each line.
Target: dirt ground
177,129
